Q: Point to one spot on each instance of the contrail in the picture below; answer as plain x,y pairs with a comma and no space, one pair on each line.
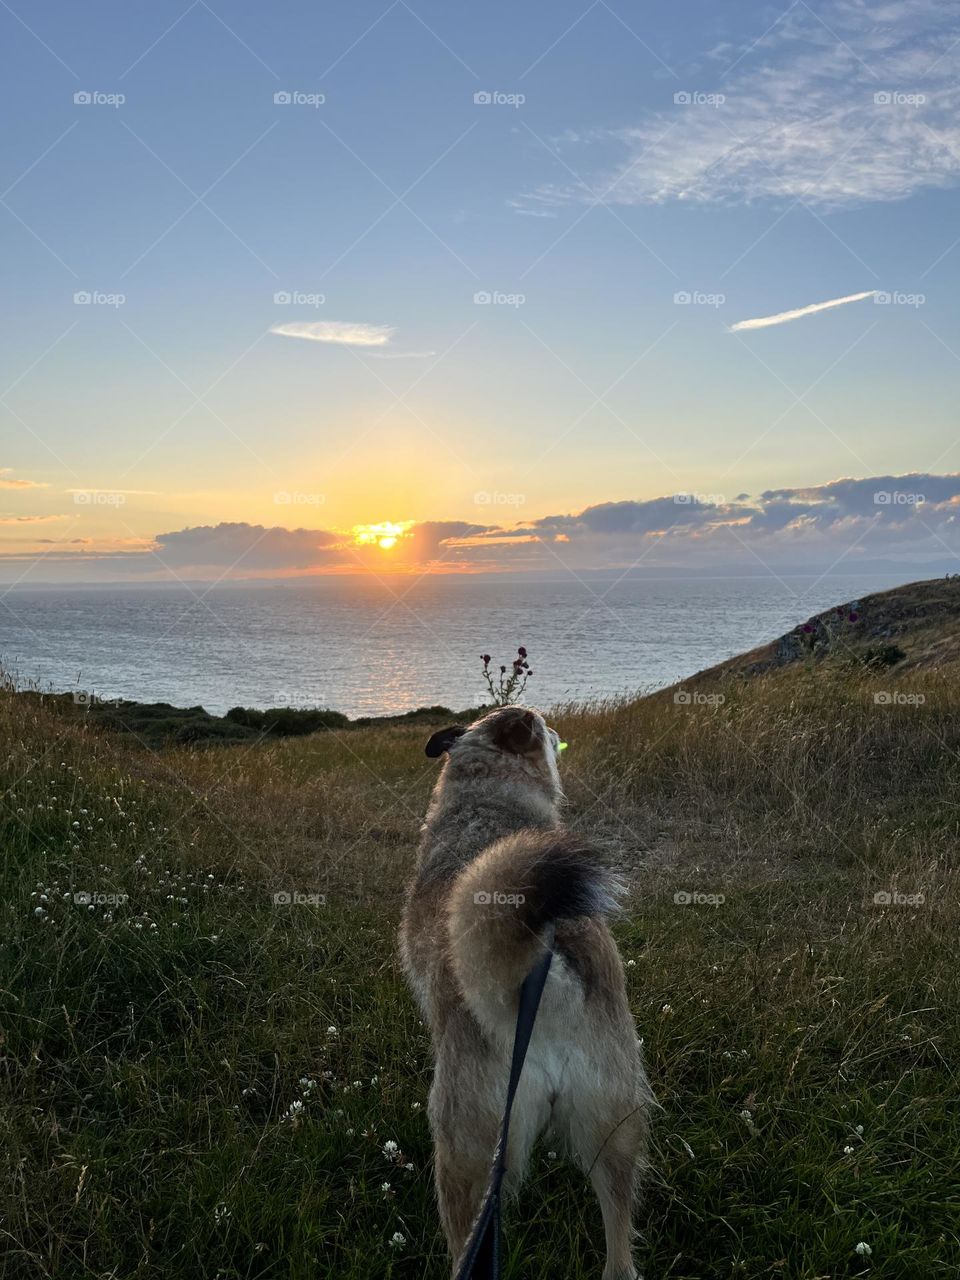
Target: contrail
764,322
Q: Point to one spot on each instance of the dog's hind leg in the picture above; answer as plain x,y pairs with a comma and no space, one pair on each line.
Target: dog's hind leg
461,1182
612,1154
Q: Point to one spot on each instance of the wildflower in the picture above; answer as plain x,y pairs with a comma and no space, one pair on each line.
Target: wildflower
398,1239
522,652
863,1249
390,1148
220,1214
385,1187
631,963
551,1155
667,1010
848,1151
409,1167
414,1106
332,1033
859,1131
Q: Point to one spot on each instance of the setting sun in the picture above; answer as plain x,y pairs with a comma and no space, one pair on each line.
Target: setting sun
385,535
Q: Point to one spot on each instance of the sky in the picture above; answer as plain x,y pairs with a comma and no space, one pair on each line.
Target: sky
414,287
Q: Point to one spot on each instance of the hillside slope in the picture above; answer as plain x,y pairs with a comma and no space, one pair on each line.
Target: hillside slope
910,628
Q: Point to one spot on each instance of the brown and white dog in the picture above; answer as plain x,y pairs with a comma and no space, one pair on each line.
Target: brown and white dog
495,869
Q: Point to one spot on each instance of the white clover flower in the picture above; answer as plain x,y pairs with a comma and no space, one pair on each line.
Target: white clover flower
409,1166
863,1249
390,1148
848,1151
398,1239
384,1187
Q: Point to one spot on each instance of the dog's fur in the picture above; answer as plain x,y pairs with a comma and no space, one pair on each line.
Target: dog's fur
493,828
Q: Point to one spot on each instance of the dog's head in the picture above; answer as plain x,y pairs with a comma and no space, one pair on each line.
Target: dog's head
510,743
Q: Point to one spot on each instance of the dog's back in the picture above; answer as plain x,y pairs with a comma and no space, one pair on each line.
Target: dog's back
495,872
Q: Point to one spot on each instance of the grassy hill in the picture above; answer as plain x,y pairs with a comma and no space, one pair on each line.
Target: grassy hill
199,1079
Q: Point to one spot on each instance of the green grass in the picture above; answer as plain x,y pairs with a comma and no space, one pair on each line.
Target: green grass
149,1075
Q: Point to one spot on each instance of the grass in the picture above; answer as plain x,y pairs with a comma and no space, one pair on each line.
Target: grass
197,1081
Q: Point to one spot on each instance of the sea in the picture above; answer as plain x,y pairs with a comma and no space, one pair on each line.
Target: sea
369,646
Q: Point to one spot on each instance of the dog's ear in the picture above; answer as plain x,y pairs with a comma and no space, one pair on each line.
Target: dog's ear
516,731
443,740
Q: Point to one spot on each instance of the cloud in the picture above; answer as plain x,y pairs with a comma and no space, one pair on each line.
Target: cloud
340,332
8,482
11,519
848,104
911,518
782,317
245,547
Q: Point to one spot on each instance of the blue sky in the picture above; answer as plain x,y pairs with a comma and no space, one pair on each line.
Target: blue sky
756,158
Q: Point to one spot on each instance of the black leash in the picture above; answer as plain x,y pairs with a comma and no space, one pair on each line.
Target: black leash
482,1258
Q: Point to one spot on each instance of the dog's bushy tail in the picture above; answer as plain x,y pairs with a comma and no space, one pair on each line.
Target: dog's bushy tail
501,903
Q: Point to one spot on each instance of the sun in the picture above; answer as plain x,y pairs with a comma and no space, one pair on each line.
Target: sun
384,535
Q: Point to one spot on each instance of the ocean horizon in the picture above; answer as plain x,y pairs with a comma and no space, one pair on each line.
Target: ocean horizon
367,646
